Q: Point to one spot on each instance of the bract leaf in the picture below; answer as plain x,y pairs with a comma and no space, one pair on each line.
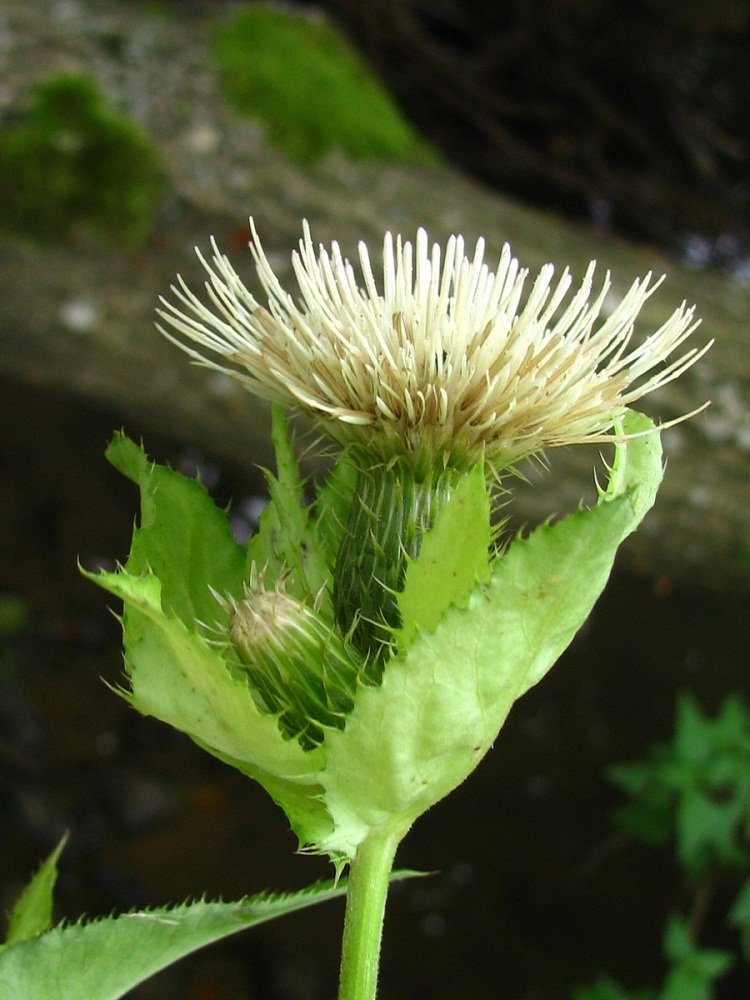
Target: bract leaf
453,557
286,541
183,537
332,507
183,549
179,678
442,702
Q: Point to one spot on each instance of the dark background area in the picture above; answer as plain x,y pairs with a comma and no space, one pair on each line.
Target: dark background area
635,116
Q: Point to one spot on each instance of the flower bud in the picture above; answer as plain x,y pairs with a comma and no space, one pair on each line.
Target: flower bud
300,666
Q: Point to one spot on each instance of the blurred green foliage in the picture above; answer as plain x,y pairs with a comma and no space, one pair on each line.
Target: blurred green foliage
691,976
72,163
693,791
693,970
301,77
14,615
606,989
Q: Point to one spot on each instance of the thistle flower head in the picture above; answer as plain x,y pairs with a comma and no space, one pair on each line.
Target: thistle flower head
443,359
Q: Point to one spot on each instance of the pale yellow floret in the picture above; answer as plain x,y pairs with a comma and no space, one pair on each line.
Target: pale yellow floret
442,355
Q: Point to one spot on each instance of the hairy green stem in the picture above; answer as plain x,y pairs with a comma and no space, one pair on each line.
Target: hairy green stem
365,910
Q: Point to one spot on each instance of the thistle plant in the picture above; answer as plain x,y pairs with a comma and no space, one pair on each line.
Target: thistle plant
417,386
359,655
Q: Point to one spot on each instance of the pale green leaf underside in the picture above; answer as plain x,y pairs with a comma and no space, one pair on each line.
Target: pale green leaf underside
182,551
443,701
179,678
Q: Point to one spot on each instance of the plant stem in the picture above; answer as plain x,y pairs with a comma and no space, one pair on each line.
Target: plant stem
365,909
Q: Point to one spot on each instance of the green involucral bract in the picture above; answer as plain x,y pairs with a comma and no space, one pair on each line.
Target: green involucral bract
476,630
390,513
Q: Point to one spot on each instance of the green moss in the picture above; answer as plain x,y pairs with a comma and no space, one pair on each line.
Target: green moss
310,88
74,164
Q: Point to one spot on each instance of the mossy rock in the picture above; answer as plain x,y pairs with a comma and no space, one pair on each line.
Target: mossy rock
300,76
74,164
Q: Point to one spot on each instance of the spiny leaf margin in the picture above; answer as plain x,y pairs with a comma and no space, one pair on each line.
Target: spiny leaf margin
32,913
104,959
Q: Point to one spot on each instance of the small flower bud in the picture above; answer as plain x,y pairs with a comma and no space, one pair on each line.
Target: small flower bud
300,666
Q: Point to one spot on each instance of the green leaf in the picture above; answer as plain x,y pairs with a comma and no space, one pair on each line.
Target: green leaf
174,628
32,914
694,969
650,814
646,822
739,915
706,831
693,977
332,508
678,941
105,959
692,739
453,558
183,680
686,983
179,678
695,789
607,989
183,538
442,702
286,541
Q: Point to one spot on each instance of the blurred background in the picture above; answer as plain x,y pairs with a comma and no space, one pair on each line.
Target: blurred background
130,131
